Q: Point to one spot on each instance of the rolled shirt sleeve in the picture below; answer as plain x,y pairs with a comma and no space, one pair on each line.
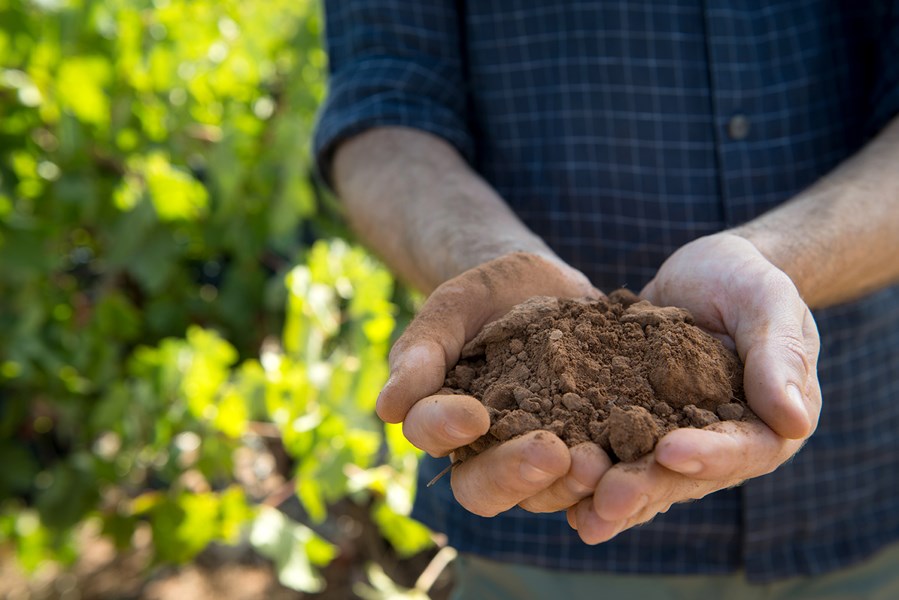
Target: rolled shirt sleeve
392,63
885,99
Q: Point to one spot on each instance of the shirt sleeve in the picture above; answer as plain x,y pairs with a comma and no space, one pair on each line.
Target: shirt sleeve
885,100
392,62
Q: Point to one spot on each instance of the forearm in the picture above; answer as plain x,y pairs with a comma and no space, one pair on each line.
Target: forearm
839,239
412,199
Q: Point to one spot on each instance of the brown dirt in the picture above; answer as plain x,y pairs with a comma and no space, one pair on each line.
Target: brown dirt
620,372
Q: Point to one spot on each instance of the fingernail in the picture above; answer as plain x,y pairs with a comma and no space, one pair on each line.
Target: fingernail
641,504
795,397
381,399
691,467
534,474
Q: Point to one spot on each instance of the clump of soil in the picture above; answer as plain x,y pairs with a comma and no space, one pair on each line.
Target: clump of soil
619,372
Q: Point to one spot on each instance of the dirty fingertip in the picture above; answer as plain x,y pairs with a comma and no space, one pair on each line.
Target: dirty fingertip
385,405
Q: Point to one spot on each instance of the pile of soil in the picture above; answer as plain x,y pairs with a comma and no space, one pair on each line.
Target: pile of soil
619,372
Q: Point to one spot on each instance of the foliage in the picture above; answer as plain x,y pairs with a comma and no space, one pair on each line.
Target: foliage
161,294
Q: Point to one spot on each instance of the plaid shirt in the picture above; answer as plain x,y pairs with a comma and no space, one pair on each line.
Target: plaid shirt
619,131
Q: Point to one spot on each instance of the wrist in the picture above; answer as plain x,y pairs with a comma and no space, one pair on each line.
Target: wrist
411,198
786,253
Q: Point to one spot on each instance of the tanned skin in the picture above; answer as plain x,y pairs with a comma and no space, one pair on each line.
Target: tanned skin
414,201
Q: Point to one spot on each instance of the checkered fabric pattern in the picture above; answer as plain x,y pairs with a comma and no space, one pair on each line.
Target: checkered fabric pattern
619,131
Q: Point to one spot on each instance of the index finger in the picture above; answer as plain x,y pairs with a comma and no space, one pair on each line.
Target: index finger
432,343
729,451
777,338
455,312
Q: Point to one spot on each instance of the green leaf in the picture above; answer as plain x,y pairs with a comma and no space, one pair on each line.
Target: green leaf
205,372
154,196
405,534
176,195
185,525
293,547
117,317
70,493
233,413
19,468
235,513
80,87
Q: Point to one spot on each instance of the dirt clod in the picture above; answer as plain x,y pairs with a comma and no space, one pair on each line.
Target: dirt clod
619,372
632,432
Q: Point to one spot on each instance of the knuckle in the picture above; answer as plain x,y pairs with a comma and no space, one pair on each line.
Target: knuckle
811,338
791,347
577,488
775,281
509,485
542,504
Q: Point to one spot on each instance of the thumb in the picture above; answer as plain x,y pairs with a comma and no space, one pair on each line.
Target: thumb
777,338
432,342
456,311
649,293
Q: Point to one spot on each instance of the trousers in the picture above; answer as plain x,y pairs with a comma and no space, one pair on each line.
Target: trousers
482,579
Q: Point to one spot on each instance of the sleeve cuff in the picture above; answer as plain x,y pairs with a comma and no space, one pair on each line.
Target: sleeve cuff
415,99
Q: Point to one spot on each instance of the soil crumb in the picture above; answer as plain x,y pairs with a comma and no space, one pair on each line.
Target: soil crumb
618,372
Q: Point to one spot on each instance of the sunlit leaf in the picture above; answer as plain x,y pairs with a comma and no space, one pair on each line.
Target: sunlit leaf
233,413
80,86
406,535
293,547
175,194
155,200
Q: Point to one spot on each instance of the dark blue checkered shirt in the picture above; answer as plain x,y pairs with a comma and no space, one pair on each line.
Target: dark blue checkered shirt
619,131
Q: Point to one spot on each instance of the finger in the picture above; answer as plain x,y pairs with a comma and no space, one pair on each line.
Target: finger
440,424
592,528
588,463
649,292
421,357
503,476
625,490
456,311
778,343
633,494
812,393
433,341
416,371
727,452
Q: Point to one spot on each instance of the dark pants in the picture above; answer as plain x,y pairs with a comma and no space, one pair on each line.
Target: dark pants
482,579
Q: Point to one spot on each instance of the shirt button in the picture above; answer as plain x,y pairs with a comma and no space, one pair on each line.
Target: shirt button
738,127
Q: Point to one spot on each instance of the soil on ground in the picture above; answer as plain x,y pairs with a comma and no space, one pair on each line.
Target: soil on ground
619,372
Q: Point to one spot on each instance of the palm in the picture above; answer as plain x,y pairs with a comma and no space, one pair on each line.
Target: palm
737,295
536,471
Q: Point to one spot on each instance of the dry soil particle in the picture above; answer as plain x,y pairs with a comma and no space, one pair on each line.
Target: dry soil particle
618,372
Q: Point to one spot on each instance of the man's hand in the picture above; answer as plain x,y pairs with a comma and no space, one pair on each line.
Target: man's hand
536,470
736,294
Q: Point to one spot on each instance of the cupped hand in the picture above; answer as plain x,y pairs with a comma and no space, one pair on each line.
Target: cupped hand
537,470
736,294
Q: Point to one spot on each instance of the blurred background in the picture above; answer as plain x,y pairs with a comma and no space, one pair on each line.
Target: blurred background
190,342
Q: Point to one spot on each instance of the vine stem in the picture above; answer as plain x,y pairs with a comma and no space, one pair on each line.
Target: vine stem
443,472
